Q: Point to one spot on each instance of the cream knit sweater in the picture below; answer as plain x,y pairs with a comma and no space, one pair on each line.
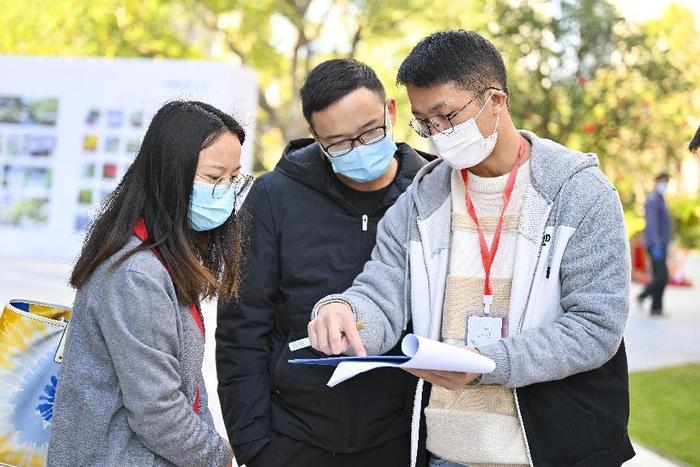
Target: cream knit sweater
478,425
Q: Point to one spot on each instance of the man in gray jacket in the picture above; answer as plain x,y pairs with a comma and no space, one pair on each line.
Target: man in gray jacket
514,246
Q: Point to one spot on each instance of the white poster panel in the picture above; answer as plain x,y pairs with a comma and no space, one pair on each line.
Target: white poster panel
70,127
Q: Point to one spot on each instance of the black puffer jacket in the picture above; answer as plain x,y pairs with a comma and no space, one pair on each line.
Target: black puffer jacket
306,241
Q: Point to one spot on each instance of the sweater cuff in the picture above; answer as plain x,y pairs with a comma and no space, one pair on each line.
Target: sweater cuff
499,354
337,298
221,454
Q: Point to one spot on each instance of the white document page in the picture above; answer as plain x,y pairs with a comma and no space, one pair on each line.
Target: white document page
426,354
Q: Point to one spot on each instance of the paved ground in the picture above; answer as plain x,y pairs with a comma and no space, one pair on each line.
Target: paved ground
651,342
671,339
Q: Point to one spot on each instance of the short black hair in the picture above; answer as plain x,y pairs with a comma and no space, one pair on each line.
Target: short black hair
695,142
334,79
463,57
663,176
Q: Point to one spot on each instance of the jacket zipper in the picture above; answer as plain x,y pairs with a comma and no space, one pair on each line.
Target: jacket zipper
363,243
532,279
522,427
427,275
520,327
419,394
405,285
417,402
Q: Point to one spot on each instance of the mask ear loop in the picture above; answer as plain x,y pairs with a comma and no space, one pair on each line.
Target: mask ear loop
483,106
387,119
495,128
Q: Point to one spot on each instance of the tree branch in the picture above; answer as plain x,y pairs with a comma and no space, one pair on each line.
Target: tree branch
355,41
316,34
272,113
302,41
210,20
297,17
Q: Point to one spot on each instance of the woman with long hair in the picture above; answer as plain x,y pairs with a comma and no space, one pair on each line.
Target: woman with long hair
131,390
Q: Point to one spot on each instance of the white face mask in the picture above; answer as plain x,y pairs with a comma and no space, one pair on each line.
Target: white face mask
465,147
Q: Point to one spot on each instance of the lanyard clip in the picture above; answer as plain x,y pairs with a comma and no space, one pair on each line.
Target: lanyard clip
488,300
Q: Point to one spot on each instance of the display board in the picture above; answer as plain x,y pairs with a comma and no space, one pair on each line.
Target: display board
70,127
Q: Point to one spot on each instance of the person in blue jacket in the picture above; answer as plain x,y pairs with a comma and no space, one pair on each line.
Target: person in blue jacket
657,236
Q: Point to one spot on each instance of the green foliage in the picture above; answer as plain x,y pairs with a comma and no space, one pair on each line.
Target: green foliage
579,73
145,28
664,411
634,223
685,215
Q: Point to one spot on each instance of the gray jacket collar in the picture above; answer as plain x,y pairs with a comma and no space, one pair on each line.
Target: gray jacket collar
551,166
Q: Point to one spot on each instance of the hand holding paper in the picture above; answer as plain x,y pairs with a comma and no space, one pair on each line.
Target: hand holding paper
420,353
452,380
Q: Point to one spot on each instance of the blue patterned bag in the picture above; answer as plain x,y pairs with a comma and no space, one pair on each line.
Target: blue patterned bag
31,347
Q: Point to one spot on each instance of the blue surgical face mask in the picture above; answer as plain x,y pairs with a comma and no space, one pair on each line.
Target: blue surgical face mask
208,212
366,162
661,188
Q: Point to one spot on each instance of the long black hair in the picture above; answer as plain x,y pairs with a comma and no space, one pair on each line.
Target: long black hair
158,188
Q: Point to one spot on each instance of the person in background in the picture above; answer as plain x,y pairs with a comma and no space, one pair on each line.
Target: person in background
695,142
131,390
314,224
657,236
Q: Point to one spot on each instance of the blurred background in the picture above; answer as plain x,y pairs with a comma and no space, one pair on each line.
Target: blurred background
620,78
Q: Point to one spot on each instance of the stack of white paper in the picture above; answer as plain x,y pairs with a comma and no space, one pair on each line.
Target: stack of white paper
420,353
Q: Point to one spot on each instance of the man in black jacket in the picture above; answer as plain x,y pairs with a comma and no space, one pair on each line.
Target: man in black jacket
312,226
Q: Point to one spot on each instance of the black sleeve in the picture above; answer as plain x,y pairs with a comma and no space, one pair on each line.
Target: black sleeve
243,333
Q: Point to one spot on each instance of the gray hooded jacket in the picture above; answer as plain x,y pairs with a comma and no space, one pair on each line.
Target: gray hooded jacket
131,372
569,299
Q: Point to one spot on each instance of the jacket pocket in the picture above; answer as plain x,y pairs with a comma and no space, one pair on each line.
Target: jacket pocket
285,374
569,420
559,426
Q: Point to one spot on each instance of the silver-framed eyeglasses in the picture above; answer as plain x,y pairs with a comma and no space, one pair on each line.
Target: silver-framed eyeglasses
371,136
240,183
441,123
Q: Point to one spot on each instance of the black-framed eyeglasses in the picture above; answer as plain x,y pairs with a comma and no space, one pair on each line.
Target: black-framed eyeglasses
441,123
371,136
240,183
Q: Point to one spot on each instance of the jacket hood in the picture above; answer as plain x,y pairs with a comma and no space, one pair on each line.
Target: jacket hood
551,166
303,161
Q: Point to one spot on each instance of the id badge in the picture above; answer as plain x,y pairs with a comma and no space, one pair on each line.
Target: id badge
483,330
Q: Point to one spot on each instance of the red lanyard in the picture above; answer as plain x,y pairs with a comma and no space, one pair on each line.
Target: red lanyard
488,255
142,233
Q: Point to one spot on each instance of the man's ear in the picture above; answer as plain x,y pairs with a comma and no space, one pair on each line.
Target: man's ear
391,109
499,102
